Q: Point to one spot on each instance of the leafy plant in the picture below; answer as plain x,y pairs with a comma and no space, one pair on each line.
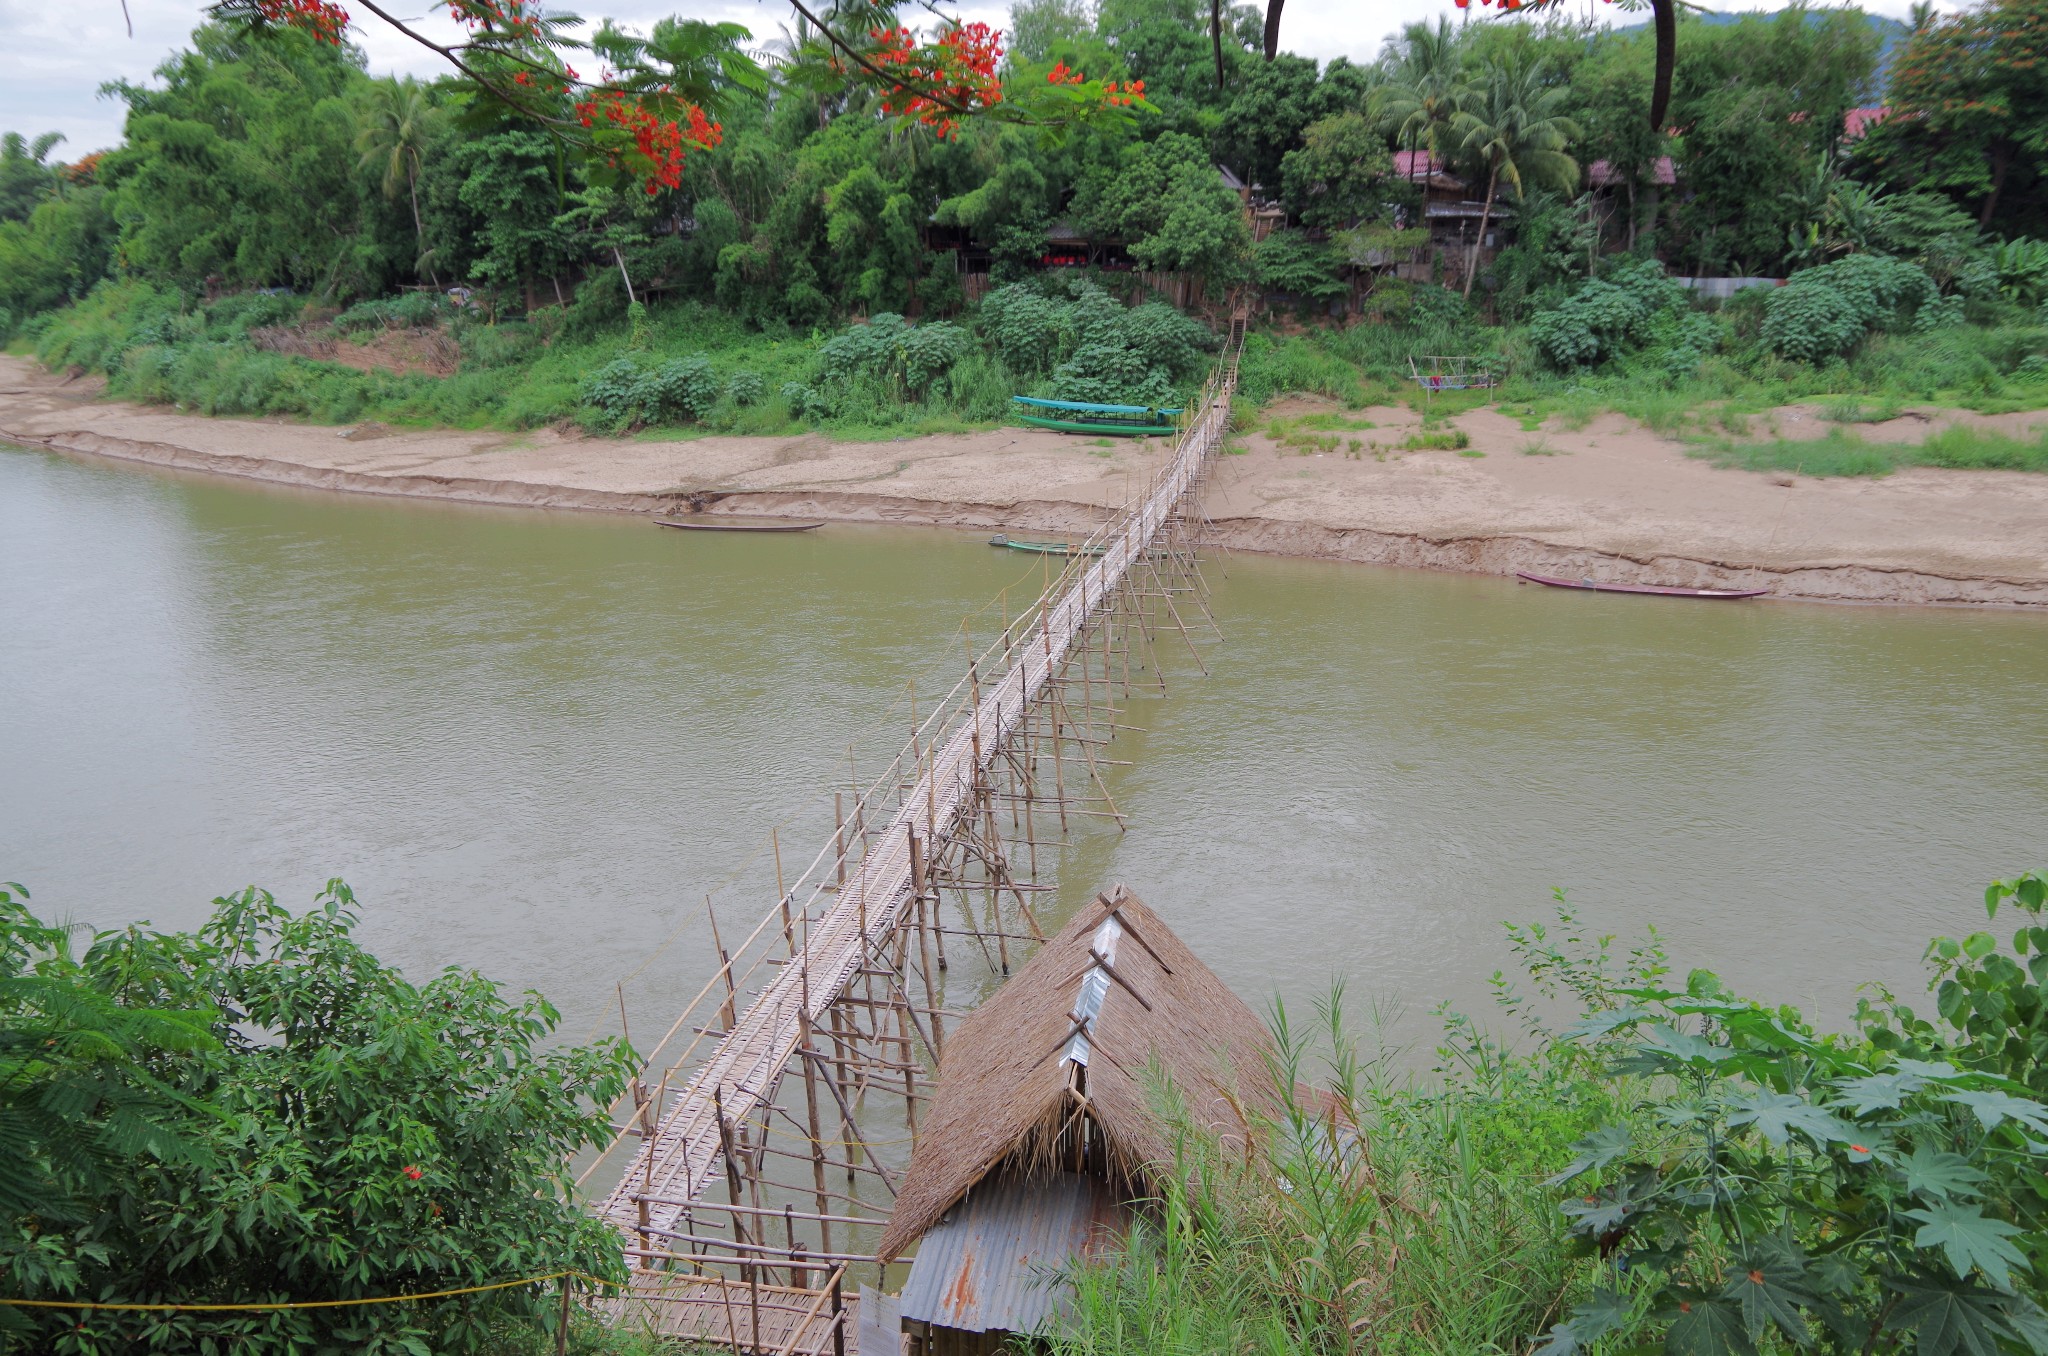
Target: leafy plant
262,1111
908,357
1779,1187
1824,312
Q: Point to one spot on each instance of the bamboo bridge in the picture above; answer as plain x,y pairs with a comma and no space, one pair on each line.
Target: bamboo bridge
837,991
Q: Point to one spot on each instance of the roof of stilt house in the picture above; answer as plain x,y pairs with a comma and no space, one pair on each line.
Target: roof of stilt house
1115,992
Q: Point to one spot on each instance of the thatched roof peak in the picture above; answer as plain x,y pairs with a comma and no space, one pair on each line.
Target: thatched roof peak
1114,992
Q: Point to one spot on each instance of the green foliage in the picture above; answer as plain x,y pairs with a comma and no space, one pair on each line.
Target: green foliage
1789,1187
260,1110
1843,454
1091,345
1609,316
1164,199
1826,311
907,358
1341,174
628,391
1366,1208
1289,261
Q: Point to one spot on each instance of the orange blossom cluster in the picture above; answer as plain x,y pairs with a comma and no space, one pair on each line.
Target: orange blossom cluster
956,72
659,140
324,21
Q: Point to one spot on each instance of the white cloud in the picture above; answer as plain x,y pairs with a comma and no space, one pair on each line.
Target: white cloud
54,57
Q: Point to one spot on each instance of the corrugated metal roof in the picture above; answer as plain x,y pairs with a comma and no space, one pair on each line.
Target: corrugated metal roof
994,1263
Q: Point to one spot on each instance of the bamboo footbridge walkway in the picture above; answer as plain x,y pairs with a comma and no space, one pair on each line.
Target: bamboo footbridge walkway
837,984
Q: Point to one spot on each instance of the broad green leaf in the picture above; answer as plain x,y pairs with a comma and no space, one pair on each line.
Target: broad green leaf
1777,1114
1604,1313
1963,1320
1665,1050
1881,1091
1938,1174
1993,1108
1972,1240
1598,1024
1596,1150
1599,1214
2028,1320
1770,1286
1706,1327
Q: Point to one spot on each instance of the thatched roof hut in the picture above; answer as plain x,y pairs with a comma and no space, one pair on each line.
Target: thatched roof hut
1044,1109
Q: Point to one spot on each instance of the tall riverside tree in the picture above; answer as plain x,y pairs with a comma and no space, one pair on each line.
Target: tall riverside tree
1428,87
1516,129
397,128
25,178
1969,101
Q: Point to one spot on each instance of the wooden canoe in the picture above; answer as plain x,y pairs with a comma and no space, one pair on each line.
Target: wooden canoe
728,525
1046,548
1655,590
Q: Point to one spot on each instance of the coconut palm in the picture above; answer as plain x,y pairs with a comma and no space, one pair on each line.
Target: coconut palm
1513,128
393,138
1426,89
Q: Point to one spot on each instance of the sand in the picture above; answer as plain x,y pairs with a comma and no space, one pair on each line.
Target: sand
1611,501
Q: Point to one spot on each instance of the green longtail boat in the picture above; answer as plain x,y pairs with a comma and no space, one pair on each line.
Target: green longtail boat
1046,548
1119,421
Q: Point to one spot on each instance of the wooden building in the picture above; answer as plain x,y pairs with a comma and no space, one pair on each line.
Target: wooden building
1042,1132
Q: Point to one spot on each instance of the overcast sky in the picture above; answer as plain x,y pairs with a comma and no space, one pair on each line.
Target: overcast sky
55,54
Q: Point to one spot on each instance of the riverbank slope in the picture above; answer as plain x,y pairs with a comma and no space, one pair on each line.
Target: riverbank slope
1610,500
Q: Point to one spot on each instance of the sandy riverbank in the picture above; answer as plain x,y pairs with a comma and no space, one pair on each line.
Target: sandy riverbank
1610,501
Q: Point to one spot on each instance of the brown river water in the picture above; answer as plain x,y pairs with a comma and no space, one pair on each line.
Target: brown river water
534,742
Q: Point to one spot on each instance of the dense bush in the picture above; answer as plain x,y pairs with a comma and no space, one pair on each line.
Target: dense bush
907,358
1632,306
1825,312
407,310
1092,346
261,1110
637,390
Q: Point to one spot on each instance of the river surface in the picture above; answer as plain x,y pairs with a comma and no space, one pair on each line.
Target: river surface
534,742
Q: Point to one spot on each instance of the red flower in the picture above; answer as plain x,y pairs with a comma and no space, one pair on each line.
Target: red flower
413,1172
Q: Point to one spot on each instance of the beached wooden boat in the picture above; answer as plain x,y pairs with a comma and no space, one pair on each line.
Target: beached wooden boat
1046,548
1656,590
733,525
1078,416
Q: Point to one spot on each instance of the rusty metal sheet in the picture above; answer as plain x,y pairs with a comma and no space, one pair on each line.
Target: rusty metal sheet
995,1262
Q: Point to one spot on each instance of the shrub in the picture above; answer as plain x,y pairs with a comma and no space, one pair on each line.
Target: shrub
908,357
1608,316
1825,312
745,388
625,391
262,1109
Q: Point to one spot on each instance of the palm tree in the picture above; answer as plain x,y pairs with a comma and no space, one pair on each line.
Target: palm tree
1513,127
393,139
1427,88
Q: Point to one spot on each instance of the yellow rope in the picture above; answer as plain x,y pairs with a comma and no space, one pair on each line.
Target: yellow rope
304,1304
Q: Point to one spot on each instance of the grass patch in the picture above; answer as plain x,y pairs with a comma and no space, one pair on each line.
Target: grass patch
1854,409
1841,453
1438,440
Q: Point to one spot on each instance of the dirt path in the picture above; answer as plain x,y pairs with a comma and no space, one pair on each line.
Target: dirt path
1611,501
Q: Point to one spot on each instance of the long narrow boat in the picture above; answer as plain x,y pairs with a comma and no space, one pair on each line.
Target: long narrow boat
1046,548
1078,416
714,525
1656,590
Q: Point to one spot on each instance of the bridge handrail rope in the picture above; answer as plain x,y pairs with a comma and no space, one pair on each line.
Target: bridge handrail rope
829,928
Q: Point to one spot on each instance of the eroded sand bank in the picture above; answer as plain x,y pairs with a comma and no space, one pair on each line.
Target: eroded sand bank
1611,501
